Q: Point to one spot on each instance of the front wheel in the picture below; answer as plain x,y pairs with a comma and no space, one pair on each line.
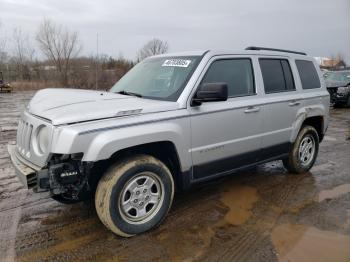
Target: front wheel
134,195
304,151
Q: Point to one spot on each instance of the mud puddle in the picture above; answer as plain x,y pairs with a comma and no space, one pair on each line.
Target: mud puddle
239,199
334,192
304,243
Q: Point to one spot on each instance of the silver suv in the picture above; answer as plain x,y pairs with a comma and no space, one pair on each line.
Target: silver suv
173,121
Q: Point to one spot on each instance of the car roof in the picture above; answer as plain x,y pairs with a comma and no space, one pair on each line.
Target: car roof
235,52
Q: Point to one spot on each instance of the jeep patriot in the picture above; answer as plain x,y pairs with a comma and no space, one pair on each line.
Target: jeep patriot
172,121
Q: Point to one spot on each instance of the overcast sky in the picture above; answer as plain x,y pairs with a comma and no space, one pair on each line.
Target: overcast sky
318,27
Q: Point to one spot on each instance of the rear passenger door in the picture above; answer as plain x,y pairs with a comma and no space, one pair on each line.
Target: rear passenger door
282,102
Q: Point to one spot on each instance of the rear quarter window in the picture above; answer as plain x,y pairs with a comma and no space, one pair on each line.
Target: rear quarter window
308,74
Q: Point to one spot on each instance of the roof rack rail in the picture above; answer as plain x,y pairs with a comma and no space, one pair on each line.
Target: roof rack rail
274,49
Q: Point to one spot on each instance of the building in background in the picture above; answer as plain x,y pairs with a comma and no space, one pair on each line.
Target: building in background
331,63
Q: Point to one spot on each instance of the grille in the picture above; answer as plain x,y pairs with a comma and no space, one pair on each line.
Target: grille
24,135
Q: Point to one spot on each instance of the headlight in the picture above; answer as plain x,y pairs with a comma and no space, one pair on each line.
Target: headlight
42,139
343,89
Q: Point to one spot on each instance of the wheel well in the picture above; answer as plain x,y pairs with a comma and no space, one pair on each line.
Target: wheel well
165,151
317,123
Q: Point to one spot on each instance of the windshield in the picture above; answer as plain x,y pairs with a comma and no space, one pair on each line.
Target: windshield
338,76
161,78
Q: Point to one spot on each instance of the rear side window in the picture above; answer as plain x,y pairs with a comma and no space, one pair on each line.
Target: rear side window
236,73
308,74
277,75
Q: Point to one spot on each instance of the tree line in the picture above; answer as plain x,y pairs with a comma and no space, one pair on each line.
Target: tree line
63,65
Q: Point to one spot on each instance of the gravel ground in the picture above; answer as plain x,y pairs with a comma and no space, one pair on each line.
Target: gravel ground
263,214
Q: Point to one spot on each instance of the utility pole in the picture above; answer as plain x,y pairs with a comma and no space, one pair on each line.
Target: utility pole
97,61
8,72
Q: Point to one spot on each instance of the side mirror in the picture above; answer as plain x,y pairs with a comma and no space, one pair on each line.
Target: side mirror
210,92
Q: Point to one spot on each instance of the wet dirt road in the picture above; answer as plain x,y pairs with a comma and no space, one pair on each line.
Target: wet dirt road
264,214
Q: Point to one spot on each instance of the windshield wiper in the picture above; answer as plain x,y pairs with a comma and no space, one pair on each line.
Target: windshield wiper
127,93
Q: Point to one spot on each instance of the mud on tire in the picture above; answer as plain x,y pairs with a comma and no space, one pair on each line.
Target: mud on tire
128,183
296,162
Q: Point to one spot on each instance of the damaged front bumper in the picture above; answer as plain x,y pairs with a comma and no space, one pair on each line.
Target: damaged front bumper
25,171
63,176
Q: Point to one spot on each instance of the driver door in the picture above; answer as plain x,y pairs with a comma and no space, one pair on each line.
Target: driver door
226,135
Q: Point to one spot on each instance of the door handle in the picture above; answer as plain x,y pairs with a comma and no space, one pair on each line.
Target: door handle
294,103
252,109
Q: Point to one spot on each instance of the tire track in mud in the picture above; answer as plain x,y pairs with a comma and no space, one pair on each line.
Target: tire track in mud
27,203
34,240
244,248
286,191
8,229
12,192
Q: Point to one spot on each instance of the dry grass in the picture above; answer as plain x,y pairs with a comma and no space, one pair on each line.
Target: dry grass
33,85
79,83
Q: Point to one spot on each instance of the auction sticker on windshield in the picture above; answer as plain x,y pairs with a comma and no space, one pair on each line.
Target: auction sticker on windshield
177,62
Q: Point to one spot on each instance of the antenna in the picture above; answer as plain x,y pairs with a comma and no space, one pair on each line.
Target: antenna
97,61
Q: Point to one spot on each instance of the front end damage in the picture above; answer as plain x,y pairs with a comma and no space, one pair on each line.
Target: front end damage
64,175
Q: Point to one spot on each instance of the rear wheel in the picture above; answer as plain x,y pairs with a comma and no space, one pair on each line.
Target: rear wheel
304,151
134,195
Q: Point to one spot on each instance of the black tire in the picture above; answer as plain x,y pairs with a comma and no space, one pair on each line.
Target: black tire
113,192
296,163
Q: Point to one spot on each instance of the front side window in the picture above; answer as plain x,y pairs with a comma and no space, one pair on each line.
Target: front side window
308,74
161,78
277,75
236,73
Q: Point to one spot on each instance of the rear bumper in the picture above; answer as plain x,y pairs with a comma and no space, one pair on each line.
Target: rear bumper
25,173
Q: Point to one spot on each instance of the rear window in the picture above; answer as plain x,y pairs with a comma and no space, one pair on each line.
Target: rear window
308,74
277,75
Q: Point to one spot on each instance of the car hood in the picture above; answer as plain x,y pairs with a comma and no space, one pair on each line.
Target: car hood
67,106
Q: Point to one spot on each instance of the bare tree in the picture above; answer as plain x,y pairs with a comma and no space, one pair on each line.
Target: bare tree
23,53
59,45
152,47
337,62
3,53
341,59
